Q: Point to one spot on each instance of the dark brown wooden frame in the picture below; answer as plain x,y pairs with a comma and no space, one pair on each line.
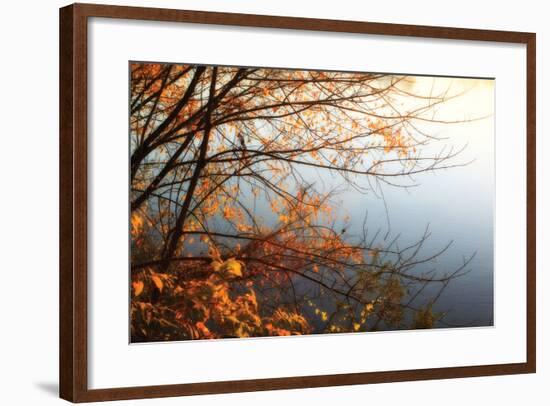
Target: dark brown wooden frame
73,201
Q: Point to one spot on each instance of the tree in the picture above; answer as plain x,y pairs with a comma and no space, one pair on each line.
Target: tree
212,147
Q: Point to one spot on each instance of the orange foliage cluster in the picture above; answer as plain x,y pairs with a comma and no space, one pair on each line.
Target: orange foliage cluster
206,308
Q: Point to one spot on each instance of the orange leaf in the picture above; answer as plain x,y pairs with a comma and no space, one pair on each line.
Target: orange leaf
138,287
158,282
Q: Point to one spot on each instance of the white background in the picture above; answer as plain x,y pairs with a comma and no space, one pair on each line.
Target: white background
112,363
29,72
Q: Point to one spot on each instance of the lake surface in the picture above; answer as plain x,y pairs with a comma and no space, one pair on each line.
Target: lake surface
458,206
457,214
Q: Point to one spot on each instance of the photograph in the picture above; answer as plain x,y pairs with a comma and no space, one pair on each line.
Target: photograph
280,202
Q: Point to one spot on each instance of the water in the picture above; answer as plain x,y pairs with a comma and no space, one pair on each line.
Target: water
455,212
458,206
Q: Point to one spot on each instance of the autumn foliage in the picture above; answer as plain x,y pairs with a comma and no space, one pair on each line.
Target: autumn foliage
231,233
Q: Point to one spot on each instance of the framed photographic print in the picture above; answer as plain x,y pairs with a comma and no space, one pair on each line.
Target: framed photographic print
255,202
